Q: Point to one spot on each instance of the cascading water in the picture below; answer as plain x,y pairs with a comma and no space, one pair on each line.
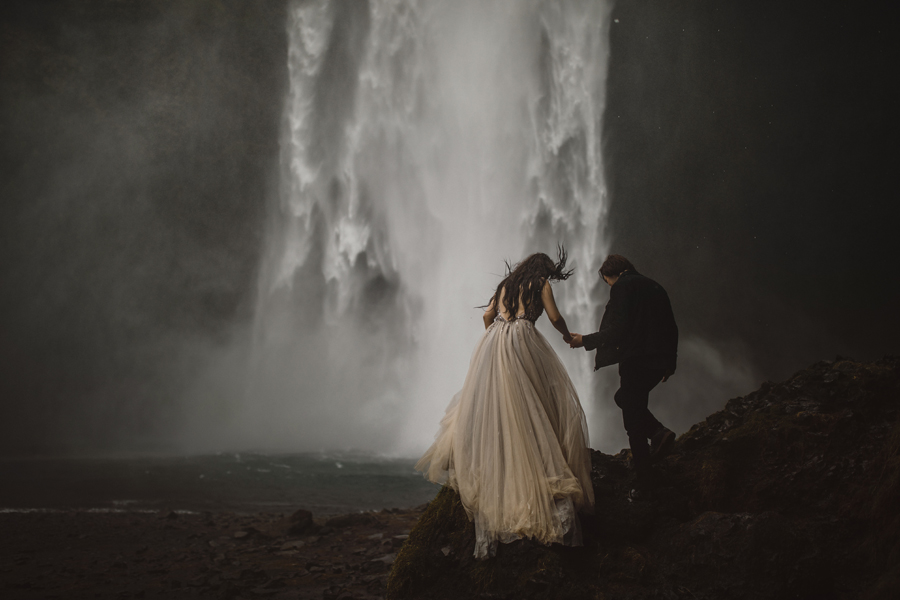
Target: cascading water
425,143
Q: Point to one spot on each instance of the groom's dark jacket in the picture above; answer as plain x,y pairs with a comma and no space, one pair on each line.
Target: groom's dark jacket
638,325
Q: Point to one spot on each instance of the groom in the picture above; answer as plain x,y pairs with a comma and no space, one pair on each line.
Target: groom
638,331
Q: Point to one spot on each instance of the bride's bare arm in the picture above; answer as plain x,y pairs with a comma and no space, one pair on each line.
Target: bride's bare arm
553,313
490,314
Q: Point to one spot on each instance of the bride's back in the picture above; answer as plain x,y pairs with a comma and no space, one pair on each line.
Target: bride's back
529,308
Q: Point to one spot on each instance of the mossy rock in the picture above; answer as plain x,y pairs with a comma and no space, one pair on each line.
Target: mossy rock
437,562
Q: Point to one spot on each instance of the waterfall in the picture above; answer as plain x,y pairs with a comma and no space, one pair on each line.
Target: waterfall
424,143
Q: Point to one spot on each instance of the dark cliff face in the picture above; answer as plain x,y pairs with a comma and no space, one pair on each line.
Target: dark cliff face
139,148
750,151
792,491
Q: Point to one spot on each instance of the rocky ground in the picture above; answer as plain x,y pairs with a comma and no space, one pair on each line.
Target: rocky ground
792,491
78,554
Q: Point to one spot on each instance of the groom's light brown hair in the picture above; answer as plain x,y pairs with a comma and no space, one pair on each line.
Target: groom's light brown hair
615,265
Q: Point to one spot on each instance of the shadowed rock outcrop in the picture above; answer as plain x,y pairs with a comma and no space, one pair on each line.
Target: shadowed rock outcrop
792,491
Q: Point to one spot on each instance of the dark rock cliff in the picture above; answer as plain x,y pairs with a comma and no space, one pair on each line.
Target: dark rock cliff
139,145
792,491
755,142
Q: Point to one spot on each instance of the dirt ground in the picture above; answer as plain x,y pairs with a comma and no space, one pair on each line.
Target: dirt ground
83,554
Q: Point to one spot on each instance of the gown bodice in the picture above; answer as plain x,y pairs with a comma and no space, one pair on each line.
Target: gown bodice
499,318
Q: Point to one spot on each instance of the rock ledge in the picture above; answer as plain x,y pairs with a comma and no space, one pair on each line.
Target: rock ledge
792,491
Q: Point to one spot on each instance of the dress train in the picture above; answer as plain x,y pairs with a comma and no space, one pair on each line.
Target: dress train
514,442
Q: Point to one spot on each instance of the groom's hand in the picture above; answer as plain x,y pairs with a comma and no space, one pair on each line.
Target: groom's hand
576,341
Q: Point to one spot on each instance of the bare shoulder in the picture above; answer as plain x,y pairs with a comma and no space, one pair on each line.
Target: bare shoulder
547,293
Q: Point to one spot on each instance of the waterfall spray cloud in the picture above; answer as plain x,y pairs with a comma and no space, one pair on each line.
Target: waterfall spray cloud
425,144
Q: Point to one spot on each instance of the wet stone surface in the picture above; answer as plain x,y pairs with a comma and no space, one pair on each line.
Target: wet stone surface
78,554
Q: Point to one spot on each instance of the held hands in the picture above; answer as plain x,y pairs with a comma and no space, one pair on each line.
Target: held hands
575,340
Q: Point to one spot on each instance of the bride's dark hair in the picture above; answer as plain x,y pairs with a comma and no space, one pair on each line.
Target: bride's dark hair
528,276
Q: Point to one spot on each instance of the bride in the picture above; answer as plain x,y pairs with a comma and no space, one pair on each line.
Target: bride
514,441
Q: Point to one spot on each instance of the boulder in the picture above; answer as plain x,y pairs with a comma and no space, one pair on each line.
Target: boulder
301,522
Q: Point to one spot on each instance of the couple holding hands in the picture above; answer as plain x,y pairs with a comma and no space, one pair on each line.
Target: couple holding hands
514,440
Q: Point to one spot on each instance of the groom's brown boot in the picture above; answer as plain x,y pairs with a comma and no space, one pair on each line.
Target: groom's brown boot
661,444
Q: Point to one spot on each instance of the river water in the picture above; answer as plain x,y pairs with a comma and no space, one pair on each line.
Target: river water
326,484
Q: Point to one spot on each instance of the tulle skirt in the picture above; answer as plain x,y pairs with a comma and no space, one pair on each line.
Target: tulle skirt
514,442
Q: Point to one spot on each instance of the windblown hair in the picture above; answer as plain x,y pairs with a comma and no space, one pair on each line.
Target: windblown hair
615,265
528,277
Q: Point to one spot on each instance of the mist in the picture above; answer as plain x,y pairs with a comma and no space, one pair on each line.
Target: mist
129,241
425,145
233,226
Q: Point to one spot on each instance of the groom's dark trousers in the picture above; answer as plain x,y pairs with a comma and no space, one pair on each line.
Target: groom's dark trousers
636,379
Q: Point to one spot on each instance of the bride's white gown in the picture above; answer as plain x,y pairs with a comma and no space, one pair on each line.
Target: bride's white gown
514,442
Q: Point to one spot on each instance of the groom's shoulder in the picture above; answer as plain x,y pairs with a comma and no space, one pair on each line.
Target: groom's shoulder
634,279
637,281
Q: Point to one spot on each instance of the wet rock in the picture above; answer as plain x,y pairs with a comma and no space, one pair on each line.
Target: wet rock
336,593
301,522
252,574
354,519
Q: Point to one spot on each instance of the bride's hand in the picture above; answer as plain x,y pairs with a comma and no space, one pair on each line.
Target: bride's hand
567,338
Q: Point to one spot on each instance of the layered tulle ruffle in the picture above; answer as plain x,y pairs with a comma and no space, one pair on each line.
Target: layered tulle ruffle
514,442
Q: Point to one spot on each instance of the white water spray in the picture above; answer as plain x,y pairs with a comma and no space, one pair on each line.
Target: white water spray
425,143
